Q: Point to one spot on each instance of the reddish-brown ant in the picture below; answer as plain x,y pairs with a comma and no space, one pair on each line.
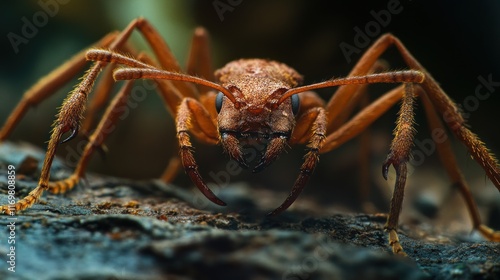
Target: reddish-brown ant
255,98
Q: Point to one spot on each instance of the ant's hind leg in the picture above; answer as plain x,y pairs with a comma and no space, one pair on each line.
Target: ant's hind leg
446,156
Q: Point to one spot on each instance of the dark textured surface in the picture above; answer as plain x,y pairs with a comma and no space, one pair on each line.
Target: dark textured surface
113,228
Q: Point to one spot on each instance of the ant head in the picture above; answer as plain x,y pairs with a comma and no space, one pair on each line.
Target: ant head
257,84
255,118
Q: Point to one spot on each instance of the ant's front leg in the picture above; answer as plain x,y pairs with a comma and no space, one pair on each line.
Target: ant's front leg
96,140
398,157
49,85
191,111
67,120
316,117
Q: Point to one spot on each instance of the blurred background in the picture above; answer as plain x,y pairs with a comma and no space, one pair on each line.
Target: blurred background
456,42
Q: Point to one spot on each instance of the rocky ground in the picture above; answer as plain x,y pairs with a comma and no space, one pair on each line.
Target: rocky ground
112,228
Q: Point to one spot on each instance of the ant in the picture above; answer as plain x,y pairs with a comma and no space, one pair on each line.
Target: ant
248,100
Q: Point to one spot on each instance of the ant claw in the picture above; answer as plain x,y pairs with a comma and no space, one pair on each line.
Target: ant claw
387,163
243,164
74,133
394,161
385,170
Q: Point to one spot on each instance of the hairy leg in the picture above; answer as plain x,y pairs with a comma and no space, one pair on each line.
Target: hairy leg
71,112
49,85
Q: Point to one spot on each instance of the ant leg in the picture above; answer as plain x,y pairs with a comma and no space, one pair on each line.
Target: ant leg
399,150
438,97
172,92
104,128
170,97
164,55
191,111
445,153
456,123
49,84
362,120
67,120
199,61
315,117
372,112
199,64
356,94
398,157
309,102
100,97
401,145
310,160
342,97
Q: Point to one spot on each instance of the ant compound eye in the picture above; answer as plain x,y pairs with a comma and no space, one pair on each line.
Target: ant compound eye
295,104
218,101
